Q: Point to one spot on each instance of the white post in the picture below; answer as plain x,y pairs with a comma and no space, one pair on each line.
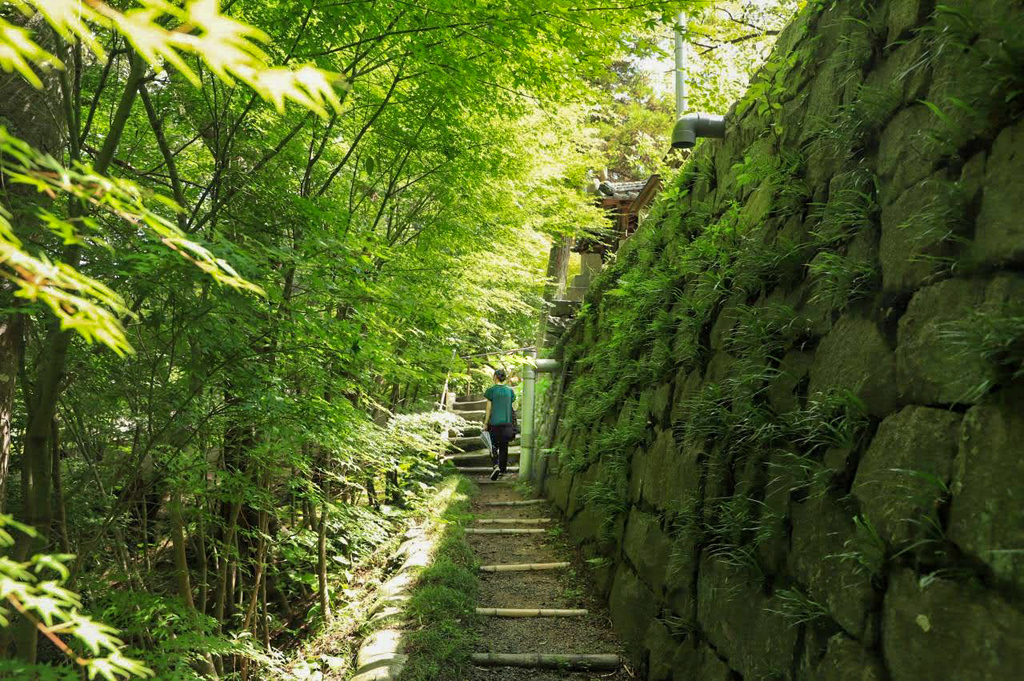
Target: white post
526,436
680,65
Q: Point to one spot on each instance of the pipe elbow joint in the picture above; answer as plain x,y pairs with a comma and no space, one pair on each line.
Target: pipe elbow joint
691,126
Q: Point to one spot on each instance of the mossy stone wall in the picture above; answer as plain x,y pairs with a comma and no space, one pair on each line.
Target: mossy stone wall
790,431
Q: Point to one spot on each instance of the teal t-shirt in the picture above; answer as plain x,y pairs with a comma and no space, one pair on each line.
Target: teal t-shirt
501,397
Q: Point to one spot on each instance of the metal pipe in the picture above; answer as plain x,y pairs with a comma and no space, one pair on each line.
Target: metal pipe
691,126
529,397
528,434
680,65
547,366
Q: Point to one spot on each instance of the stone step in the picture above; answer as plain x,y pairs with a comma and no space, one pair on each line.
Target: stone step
474,397
468,431
472,444
479,458
477,405
485,469
468,444
475,416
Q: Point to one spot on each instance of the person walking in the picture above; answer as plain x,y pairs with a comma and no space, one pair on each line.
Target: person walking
498,422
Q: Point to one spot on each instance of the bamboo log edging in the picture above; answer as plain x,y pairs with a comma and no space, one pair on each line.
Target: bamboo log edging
496,482
531,612
523,567
504,530
526,502
513,521
549,661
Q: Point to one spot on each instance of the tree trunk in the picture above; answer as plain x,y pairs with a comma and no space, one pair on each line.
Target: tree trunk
321,567
58,490
10,359
178,549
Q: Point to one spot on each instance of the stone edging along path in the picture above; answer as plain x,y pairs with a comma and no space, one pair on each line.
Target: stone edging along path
380,656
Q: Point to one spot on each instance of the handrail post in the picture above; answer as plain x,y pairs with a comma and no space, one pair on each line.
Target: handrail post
529,397
529,436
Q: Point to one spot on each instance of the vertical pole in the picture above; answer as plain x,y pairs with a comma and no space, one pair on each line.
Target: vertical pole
680,65
529,395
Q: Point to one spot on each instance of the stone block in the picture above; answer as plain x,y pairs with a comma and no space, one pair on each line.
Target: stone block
726,321
659,410
821,528
949,630
903,15
855,356
586,525
647,547
916,440
917,231
847,660
838,75
602,570
680,578
987,516
581,481
905,153
633,607
661,652
710,668
824,158
999,237
558,488
663,475
740,622
687,385
905,68
794,369
972,178
928,369
719,366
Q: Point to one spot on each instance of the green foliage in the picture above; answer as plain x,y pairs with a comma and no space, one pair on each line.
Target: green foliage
929,493
55,611
834,419
991,48
794,472
840,280
994,335
857,123
866,549
735,528
795,605
850,209
765,331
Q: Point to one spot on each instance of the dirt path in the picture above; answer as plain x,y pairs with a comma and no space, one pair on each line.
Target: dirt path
560,588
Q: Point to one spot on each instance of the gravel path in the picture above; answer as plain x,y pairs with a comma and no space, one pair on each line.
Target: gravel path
562,588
